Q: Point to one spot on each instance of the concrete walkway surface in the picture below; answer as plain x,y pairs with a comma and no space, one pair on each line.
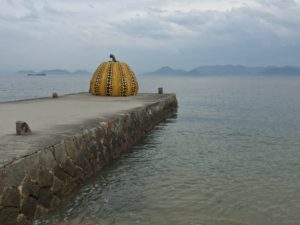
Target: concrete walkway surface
50,118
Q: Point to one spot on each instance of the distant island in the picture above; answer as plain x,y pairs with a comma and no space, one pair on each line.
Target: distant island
36,74
229,70
53,72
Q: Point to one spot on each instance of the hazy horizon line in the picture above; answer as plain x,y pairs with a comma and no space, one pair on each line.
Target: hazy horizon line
154,69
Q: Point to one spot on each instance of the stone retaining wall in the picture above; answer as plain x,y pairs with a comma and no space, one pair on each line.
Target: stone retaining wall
37,183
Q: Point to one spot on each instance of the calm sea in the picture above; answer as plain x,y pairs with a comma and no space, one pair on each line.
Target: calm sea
231,156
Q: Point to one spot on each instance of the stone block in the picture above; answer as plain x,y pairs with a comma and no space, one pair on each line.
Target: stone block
69,167
10,197
55,202
93,149
46,158
2,180
58,186
70,148
70,186
45,178
8,216
28,207
79,144
32,166
22,220
15,173
88,169
60,173
40,211
80,175
59,153
45,197
30,188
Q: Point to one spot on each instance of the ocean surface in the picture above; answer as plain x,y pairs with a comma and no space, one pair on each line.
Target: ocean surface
231,155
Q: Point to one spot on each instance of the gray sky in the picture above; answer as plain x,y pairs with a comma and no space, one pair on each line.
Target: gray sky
147,34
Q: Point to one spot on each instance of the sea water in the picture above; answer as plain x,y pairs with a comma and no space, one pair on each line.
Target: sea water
230,156
20,86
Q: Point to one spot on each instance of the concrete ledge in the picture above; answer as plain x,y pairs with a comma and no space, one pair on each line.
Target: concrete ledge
55,161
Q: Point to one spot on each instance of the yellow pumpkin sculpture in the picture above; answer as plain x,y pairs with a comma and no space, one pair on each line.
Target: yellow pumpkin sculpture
114,78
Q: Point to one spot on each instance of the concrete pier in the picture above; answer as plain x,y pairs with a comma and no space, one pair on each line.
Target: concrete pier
72,138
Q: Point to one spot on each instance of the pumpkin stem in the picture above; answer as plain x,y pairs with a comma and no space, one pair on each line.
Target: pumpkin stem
113,57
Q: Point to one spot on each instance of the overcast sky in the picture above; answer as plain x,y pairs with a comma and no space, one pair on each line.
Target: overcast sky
147,34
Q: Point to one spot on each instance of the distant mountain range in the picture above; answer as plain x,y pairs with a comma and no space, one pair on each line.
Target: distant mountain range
198,71
229,70
53,72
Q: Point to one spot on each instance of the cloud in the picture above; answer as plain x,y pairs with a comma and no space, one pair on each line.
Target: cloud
148,34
